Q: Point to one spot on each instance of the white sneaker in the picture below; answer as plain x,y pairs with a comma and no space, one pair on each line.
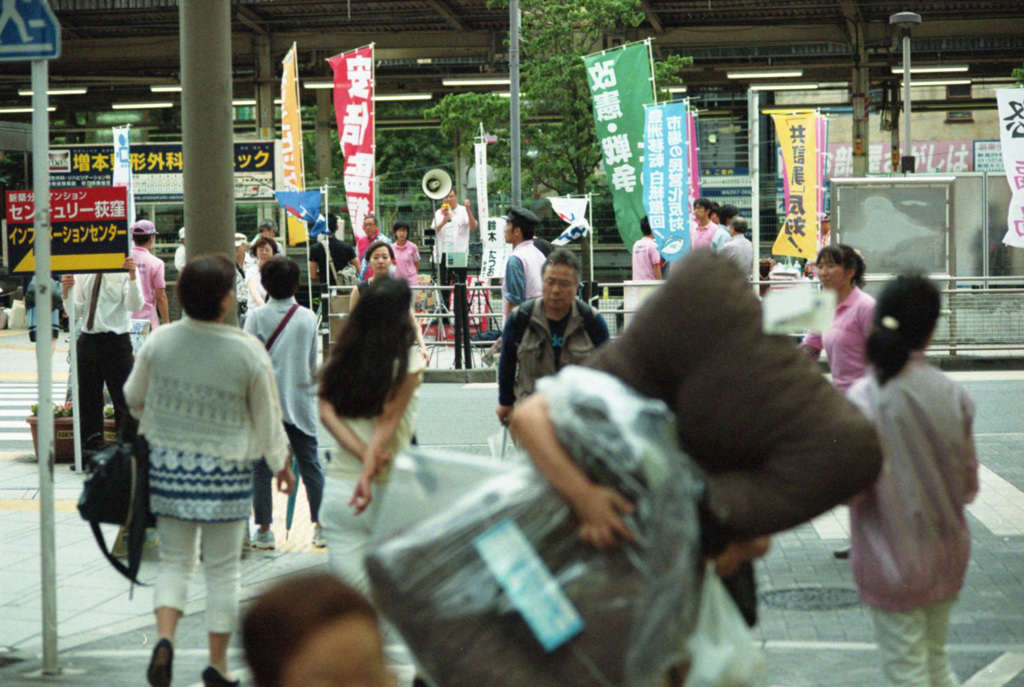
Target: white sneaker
318,537
264,541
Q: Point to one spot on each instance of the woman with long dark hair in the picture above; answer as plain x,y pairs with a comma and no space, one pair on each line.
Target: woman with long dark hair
206,399
368,403
909,535
841,269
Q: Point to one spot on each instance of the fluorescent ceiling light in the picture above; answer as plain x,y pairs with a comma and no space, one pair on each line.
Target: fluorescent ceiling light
22,110
785,87
932,69
243,103
788,74
834,84
141,106
56,91
402,96
318,84
676,89
165,88
478,81
944,82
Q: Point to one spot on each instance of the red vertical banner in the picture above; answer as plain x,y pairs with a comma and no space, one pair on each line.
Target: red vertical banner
353,107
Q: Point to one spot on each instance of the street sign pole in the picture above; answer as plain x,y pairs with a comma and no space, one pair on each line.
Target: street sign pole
30,32
44,361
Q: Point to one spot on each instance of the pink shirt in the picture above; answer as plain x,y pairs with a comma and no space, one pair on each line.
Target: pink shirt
909,542
645,258
407,260
709,236
151,278
846,343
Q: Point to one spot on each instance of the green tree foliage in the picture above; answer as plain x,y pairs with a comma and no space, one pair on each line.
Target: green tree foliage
1018,75
559,144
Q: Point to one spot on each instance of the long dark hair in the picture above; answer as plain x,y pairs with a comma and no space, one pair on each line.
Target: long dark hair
372,354
905,317
846,257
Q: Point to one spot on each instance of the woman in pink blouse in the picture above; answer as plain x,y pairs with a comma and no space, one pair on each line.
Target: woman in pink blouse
407,255
841,269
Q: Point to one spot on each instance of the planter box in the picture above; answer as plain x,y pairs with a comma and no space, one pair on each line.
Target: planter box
64,436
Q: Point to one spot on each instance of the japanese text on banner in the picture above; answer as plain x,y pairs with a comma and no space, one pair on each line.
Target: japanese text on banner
353,107
798,139
1011,135
621,84
666,178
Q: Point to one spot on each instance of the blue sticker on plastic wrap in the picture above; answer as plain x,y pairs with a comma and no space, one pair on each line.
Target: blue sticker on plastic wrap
531,587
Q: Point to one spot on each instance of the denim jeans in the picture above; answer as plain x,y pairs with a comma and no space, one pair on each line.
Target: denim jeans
305,449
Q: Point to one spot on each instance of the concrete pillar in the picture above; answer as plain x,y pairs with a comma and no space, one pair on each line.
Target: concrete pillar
326,140
266,80
206,128
861,130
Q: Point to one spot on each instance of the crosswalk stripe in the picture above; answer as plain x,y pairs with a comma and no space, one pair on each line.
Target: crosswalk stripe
999,505
999,672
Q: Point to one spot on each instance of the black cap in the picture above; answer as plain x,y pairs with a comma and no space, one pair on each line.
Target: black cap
521,217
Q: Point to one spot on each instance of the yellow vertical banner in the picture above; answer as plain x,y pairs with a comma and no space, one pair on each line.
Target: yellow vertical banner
798,139
291,140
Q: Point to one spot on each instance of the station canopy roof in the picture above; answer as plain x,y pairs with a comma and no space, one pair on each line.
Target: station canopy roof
119,49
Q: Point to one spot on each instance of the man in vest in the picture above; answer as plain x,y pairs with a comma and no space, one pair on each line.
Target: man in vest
544,335
523,269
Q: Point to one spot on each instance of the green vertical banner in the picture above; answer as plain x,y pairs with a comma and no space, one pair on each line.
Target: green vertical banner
621,85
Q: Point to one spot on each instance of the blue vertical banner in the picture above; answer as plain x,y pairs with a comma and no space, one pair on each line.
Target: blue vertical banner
666,177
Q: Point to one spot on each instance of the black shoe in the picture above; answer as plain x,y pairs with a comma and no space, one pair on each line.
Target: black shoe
842,554
213,678
159,672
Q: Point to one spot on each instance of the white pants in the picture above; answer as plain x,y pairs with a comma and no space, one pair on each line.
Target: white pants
348,535
222,552
913,645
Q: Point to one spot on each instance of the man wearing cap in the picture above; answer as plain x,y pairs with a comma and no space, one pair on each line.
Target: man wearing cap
105,303
151,276
179,255
453,223
523,270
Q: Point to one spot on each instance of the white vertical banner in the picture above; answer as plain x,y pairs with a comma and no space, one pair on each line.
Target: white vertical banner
1011,134
123,166
480,162
496,251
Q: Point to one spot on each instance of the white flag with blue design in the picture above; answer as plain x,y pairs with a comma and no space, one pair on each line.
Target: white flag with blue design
573,211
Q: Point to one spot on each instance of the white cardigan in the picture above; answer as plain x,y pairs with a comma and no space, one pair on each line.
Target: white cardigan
208,388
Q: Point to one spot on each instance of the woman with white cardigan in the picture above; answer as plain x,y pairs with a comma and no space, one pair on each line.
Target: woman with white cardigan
207,402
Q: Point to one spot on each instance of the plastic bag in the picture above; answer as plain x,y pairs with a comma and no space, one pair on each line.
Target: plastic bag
722,647
637,603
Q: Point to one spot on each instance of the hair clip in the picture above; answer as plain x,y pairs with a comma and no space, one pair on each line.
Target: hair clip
890,323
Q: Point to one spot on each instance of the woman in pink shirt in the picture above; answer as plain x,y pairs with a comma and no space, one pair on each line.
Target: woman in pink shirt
407,255
909,536
841,269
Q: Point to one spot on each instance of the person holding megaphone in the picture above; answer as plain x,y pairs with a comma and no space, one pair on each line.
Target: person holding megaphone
452,222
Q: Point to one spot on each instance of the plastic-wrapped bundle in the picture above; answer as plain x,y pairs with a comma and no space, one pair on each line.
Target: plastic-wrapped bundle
637,603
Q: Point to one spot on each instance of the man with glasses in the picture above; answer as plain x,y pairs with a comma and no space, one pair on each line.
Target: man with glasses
544,335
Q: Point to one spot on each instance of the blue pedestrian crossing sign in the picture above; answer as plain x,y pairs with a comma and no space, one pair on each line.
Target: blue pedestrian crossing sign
28,31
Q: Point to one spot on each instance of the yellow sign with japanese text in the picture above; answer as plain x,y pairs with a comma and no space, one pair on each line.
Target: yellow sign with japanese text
798,139
291,141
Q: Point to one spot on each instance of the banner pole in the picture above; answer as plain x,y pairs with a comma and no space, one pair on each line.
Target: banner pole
754,163
654,81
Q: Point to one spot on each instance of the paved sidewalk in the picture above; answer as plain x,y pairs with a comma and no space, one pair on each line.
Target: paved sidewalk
106,637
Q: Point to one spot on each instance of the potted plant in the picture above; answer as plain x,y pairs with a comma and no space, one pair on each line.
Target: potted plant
64,429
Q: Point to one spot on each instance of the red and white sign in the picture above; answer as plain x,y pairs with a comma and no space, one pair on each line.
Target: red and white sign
353,107
1010,102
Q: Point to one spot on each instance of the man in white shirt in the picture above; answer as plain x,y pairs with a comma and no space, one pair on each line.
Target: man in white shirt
179,253
739,249
452,222
105,303
525,266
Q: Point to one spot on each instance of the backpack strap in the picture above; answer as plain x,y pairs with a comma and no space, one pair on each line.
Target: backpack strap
522,319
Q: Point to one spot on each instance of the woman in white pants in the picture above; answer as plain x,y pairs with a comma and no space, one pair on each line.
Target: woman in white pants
207,402
368,403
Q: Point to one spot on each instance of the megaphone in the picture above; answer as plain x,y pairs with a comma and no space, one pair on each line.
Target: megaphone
437,183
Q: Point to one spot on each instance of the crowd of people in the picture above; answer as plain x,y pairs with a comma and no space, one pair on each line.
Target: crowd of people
225,409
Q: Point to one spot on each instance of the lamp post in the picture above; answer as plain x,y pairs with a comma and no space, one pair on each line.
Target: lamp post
906,20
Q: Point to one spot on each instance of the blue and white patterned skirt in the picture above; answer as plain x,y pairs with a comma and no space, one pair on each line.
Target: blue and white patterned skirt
198,487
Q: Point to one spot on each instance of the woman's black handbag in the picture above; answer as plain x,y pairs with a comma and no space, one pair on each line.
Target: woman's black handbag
117,493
